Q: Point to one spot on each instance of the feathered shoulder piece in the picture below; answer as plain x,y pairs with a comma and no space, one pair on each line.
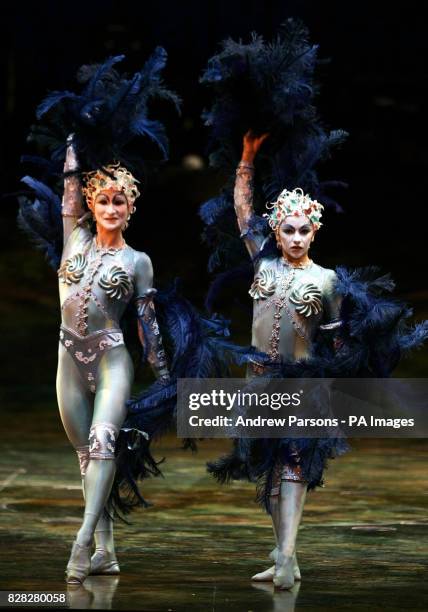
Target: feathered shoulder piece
107,113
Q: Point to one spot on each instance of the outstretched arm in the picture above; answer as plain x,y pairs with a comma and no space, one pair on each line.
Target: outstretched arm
72,201
148,329
243,193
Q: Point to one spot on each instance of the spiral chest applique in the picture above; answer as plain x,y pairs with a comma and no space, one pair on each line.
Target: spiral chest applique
307,299
264,285
115,282
72,269
305,296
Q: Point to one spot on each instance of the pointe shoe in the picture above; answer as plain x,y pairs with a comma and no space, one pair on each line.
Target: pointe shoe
273,556
284,572
104,563
79,564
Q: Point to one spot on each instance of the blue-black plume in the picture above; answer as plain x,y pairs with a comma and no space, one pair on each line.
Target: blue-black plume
39,216
265,87
108,113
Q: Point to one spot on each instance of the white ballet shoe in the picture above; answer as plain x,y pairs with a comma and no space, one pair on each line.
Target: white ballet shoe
104,563
79,564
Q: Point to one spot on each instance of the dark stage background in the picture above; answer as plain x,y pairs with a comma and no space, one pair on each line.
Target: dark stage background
372,87
363,543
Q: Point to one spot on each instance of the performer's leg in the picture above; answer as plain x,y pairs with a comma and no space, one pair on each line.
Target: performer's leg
276,520
74,401
76,408
114,379
104,560
292,500
267,575
104,539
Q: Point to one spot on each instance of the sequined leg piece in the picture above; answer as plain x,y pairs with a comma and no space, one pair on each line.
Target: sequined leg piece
87,351
285,473
102,441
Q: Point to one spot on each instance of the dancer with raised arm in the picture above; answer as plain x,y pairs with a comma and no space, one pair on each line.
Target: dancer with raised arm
293,299
105,133
99,275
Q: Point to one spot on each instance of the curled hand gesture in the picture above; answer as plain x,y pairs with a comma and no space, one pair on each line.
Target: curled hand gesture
251,145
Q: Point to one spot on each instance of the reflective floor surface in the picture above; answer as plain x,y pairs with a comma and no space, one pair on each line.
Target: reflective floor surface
362,546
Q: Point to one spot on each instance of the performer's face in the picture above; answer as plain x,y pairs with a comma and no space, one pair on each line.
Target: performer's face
295,236
111,209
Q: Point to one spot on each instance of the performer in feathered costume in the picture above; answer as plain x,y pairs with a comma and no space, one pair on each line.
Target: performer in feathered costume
310,321
99,276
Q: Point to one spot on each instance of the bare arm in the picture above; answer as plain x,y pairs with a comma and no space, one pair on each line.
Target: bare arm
72,201
148,329
243,193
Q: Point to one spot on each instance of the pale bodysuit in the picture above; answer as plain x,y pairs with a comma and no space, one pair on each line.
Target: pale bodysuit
290,304
95,287
95,370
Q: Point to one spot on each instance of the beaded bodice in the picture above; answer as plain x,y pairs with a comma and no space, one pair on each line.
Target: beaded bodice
95,284
290,304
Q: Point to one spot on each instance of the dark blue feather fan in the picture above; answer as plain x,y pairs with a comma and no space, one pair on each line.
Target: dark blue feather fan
107,115
265,87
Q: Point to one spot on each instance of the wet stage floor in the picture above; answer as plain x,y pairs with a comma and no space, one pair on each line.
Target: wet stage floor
362,545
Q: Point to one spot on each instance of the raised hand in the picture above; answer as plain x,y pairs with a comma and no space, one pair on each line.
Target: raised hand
251,145
71,162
